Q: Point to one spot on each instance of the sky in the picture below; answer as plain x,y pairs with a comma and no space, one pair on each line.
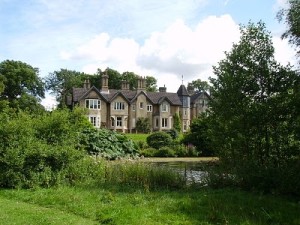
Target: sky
175,41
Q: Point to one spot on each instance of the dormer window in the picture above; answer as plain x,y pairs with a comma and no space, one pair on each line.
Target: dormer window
164,107
93,103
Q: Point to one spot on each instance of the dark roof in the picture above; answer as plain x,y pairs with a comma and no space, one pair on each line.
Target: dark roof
182,91
154,97
195,96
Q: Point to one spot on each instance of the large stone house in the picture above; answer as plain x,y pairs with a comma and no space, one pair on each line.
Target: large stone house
120,109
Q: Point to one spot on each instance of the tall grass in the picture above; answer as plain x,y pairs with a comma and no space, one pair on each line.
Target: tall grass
139,174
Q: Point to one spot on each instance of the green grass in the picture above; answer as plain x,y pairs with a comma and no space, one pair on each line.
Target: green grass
137,137
125,205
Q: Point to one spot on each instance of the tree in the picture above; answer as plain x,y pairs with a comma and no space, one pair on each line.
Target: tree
143,125
151,84
177,123
198,136
252,111
199,85
291,17
60,83
115,78
19,81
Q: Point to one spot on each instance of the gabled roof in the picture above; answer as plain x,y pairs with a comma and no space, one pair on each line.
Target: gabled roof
116,94
182,91
195,96
141,93
84,93
129,95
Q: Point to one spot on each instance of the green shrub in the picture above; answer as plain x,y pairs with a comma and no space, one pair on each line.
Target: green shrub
143,125
107,144
165,152
148,152
159,139
173,133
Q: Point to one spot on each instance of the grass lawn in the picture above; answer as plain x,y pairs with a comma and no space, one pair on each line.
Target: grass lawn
137,137
125,205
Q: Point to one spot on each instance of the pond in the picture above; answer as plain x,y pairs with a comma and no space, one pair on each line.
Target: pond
193,169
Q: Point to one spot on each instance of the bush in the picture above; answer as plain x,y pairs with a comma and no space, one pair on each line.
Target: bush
173,133
159,139
148,152
143,125
107,144
165,152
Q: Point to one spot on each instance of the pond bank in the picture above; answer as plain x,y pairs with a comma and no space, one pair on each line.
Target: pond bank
179,159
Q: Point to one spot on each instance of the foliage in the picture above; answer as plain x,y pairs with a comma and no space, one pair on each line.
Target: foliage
177,122
291,19
165,151
60,83
159,139
148,152
143,125
198,85
28,159
198,136
173,133
20,85
252,117
107,144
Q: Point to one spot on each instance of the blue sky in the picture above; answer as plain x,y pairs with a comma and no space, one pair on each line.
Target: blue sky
165,39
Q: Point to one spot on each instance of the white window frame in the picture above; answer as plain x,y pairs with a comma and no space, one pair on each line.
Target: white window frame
95,120
164,107
119,106
164,122
149,108
93,103
133,107
119,121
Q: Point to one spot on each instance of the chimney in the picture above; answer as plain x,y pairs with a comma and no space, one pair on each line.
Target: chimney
86,84
162,89
125,85
141,83
104,88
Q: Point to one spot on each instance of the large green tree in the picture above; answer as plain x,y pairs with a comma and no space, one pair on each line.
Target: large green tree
20,85
199,85
252,110
291,17
60,83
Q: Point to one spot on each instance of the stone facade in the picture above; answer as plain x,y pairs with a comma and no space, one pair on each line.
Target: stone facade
120,109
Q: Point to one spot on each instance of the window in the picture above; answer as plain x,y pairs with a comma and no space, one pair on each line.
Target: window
164,107
133,107
164,122
93,103
185,112
141,105
149,108
119,121
95,120
119,106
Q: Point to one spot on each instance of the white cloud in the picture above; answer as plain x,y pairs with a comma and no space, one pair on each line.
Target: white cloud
179,50
284,53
